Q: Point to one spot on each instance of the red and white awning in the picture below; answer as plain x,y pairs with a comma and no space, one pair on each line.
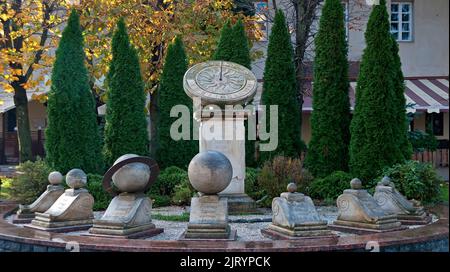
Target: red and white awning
428,94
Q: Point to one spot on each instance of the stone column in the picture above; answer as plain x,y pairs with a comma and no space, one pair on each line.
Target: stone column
227,135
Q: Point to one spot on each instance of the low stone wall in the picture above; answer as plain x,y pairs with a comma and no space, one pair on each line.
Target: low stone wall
433,237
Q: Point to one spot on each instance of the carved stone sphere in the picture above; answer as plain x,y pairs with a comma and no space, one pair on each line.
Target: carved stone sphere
292,187
356,184
210,172
55,178
76,178
132,177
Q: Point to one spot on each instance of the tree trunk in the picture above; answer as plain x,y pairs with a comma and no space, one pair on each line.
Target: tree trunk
22,122
154,112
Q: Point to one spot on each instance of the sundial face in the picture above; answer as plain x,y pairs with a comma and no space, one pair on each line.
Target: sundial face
220,82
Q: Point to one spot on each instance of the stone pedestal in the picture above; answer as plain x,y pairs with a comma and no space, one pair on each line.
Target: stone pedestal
294,216
391,201
71,211
227,135
359,212
208,219
26,213
128,216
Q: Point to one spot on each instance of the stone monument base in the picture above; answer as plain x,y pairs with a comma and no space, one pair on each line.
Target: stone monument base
127,216
407,219
388,223
43,222
240,204
208,219
280,233
132,233
230,235
23,218
303,230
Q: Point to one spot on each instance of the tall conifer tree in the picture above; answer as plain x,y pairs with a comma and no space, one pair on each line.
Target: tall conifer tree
330,121
72,134
126,124
373,143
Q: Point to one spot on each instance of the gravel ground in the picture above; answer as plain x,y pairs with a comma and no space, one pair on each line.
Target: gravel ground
245,231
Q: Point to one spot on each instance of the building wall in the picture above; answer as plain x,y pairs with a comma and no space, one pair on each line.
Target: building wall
37,114
426,55
420,124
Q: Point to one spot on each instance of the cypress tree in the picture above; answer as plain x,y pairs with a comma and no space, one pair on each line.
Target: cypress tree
72,135
280,89
170,152
330,120
373,145
401,120
126,123
234,46
224,49
241,51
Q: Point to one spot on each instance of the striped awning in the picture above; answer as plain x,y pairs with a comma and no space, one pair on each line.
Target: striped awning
426,94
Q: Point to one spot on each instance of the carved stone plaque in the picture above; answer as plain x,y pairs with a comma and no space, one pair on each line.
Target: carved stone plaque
220,82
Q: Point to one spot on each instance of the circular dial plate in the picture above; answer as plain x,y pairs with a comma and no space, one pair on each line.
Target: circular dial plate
220,82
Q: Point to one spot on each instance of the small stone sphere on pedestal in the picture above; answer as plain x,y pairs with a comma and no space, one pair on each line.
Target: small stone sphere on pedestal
356,184
76,178
292,187
210,172
132,177
55,178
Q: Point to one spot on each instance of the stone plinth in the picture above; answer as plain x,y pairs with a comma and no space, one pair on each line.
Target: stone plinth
294,216
26,213
359,212
208,219
71,211
230,141
391,201
129,213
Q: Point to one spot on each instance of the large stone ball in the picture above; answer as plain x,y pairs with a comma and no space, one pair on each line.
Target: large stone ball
55,178
132,177
210,172
76,178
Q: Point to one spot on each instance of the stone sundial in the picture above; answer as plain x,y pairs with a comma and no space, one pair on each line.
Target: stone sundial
220,82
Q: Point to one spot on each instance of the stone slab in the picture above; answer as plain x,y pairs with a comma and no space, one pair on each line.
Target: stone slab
61,229
24,220
275,235
232,236
135,235
362,230
240,204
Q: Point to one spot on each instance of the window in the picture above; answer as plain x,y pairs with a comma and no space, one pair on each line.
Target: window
401,21
346,19
11,120
435,123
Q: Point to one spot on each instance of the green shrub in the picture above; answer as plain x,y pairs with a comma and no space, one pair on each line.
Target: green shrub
31,181
5,187
252,188
278,173
415,180
422,141
159,200
331,186
168,179
95,188
183,193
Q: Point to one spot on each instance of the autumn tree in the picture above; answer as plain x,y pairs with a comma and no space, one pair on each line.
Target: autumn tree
72,135
126,124
28,32
198,21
